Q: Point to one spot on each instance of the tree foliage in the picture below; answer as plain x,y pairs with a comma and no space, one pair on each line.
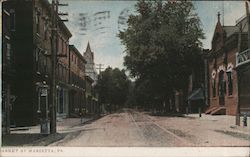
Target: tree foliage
162,45
113,86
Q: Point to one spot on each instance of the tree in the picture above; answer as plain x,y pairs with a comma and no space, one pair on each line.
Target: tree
113,86
162,45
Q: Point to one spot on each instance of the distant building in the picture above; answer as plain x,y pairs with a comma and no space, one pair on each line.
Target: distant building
91,80
90,65
77,81
221,63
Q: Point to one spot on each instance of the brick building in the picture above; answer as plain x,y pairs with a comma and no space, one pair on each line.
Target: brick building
63,70
7,66
221,62
77,81
31,49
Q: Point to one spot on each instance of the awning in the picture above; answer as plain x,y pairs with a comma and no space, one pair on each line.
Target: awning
197,94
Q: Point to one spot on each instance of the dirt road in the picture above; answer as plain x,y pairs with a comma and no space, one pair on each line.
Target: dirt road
132,128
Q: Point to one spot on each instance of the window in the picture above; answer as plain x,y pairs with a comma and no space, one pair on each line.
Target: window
37,22
214,87
221,84
230,83
8,51
44,64
45,27
12,20
62,46
37,59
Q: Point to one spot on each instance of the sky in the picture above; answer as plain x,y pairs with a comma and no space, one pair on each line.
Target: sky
98,22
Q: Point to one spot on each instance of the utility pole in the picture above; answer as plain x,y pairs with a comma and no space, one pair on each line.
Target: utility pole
53,72
99,67
238,77
248,23
54,55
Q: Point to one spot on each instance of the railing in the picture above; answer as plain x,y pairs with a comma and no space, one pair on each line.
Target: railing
243,57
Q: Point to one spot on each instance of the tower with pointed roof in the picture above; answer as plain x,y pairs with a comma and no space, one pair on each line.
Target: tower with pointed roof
90,65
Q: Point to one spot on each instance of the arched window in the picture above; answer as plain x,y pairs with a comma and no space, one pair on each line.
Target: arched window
230,83
221,84
214,87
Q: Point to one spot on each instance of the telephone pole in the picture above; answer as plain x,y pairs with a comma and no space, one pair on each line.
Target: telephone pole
99,67
54,55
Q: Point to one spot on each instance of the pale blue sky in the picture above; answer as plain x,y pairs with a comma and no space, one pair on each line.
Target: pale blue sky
105,43
102,33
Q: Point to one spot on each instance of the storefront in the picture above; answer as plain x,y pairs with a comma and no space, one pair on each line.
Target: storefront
62,102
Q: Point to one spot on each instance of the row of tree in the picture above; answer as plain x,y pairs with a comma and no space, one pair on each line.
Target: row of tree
163,47
113,88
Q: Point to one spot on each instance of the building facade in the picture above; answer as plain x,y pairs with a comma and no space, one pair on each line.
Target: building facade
221,62
31,44
63,70
8,72
78,83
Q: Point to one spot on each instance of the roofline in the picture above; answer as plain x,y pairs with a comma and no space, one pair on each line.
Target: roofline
61,23
72,47
89,78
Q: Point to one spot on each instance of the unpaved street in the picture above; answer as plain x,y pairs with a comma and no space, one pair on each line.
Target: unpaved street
133,128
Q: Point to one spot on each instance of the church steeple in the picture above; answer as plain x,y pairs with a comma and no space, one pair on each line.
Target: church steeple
218,16
88,49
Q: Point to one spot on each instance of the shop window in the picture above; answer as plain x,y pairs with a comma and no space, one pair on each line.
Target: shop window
230,83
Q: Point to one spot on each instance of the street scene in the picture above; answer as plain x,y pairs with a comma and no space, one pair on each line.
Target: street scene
125,73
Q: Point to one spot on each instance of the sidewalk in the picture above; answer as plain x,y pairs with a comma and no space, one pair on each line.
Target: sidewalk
225,122
27,136
63,126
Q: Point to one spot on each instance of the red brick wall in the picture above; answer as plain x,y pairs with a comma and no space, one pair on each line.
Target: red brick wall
230,100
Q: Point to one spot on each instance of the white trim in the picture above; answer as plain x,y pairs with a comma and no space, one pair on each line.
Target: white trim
230,67
7,37
221,68
6,12
213,74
